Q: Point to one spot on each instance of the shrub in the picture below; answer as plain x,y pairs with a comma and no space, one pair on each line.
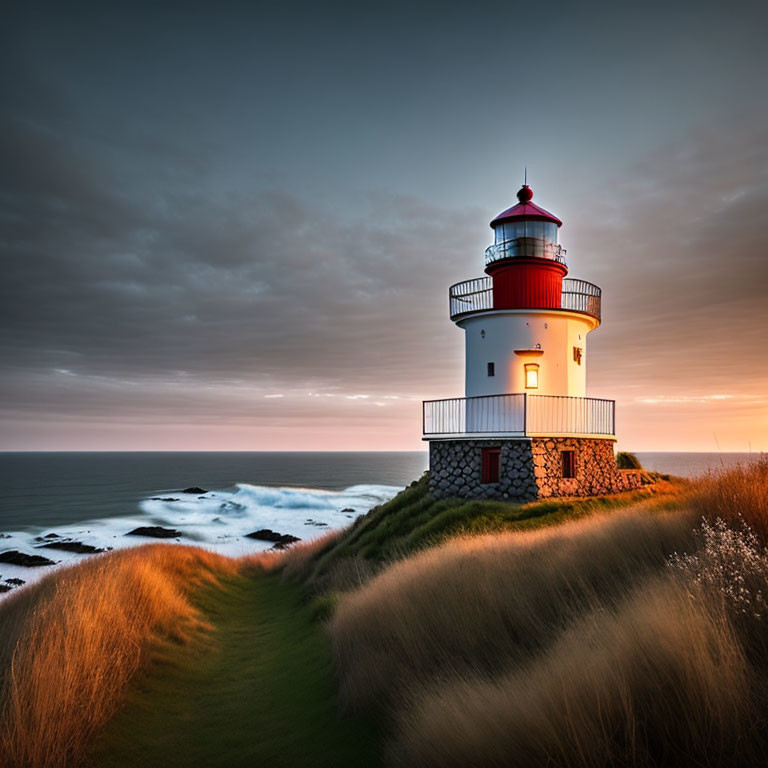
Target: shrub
731,564
626,460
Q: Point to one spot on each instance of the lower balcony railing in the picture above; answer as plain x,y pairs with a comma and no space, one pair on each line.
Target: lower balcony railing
518,415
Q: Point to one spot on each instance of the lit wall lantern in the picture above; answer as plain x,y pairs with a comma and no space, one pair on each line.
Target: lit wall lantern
531,376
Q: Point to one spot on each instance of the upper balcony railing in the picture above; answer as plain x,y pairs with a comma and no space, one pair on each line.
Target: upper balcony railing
532,247
518,415
477,296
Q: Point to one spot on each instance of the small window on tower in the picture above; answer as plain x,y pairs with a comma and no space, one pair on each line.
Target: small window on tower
491,369
531,376
569,463
490,468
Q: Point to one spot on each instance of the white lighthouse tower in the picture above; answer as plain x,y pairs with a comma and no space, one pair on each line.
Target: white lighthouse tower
525,427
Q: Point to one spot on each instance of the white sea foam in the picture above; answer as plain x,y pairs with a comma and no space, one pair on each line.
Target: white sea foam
216,520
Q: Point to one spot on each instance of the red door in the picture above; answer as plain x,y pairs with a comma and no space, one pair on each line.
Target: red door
490,469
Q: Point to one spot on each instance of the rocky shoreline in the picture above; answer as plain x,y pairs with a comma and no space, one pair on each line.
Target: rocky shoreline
38,552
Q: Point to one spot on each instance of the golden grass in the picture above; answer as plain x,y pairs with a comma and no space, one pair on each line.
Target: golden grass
70,643
573,645
477,605
734,494
298,561
659,681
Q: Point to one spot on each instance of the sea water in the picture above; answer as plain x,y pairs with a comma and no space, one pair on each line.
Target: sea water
97,498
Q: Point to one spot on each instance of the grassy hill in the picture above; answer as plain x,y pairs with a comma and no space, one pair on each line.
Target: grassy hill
581,632
414,520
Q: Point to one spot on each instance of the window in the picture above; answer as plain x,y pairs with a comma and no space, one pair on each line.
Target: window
569,463
490,470
491,369
531,376
511,230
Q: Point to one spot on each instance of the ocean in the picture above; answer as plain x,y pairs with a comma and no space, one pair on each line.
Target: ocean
97,498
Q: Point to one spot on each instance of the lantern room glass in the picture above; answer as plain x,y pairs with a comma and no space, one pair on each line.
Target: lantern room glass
545,231
525,238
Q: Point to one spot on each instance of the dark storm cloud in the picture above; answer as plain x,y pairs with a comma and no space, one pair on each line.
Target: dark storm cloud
266,288
270,290
201,208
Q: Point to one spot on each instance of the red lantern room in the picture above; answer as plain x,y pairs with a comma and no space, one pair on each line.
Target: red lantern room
525,262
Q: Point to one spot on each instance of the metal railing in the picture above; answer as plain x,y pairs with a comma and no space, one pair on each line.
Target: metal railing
471,296
477,296
581,296
462,415
532,247
519,415
559,414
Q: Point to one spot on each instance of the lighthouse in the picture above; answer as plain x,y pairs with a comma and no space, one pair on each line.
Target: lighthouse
525,427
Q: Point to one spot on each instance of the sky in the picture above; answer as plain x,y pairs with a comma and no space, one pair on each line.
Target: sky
232,226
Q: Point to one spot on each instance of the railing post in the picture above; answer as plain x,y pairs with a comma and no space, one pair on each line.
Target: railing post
525,414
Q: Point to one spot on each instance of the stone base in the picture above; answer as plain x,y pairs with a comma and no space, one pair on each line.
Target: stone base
529,468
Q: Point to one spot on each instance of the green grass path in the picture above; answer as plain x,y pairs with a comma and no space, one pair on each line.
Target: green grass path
263,692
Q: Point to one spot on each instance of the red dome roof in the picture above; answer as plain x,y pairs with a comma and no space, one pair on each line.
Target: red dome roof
525,209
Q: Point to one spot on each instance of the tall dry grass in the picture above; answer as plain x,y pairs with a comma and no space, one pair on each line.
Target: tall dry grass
740,493
478,605
70,643
660,681
576,645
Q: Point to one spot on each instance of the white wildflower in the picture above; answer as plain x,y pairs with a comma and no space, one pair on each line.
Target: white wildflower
733,563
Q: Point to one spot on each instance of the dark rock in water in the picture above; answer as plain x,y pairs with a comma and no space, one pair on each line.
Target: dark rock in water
166,498
47,537
231,506
280,540
194,489
347,509
154,532
15,582
72,546
12,557
4,536
5,588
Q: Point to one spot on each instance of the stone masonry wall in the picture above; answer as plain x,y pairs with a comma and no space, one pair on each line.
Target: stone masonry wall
596,471
528,469
455,470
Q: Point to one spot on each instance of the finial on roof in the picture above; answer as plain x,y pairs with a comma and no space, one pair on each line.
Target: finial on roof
525,195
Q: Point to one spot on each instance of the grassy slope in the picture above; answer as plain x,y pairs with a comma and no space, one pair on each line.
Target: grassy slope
414,520
263,691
